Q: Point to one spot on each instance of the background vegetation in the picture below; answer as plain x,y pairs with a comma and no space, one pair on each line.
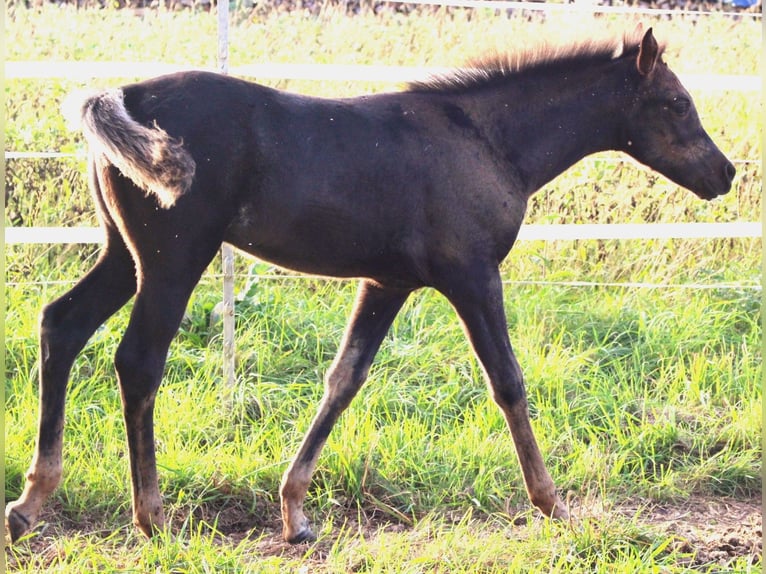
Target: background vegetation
646,401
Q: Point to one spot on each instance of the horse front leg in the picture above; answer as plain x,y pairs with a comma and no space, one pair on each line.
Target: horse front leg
478,300
65,327
374,311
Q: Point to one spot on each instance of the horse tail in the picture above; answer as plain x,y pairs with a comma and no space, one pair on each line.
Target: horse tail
148,156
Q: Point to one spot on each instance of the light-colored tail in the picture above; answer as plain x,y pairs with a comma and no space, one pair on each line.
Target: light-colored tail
148,156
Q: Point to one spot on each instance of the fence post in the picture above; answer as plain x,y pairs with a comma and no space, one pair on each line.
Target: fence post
227,254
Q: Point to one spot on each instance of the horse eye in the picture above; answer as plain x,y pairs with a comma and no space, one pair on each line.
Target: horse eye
680,106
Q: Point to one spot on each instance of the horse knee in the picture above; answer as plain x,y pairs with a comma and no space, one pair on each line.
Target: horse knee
509,392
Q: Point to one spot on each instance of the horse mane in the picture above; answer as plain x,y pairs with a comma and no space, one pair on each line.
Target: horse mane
496,68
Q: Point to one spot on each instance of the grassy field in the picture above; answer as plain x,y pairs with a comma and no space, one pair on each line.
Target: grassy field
646,401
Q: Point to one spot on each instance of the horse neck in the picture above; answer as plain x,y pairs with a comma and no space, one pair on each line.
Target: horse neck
544,125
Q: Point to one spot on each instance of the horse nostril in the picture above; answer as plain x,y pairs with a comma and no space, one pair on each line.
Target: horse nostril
730,171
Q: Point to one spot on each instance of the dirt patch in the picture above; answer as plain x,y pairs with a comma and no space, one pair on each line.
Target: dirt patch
708,531
712,530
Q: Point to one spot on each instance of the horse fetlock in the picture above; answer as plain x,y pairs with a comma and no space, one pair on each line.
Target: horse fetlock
295,526
44,477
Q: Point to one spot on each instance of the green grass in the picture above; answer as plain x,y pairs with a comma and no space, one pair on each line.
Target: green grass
641,398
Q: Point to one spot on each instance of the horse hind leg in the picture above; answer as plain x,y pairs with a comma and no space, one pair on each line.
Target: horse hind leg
374,311
164,290
66,324
139,362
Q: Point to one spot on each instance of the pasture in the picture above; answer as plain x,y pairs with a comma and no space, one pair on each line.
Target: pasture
642,358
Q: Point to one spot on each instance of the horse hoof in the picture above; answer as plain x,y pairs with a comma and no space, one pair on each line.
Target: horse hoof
303,535
559,511
17,524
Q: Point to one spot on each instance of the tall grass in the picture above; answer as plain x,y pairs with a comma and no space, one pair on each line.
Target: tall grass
637,394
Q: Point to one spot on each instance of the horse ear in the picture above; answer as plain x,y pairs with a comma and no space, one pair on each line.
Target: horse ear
648,53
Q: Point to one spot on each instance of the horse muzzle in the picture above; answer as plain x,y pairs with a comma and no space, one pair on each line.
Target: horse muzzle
719,183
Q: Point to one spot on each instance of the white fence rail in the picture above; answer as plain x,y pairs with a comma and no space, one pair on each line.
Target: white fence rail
336,72
580,6
529,232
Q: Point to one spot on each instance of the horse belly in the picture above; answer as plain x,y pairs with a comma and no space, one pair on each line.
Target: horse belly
327,242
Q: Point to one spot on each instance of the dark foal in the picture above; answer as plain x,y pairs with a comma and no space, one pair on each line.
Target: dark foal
422,188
